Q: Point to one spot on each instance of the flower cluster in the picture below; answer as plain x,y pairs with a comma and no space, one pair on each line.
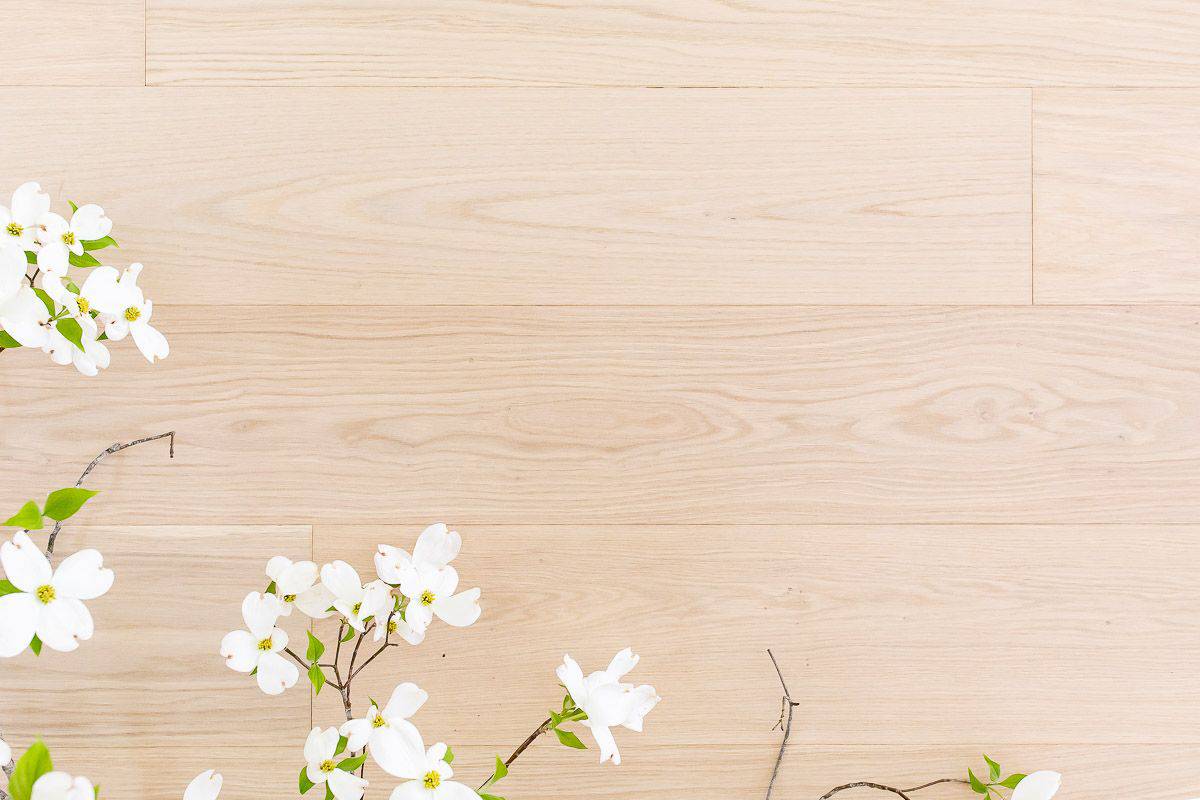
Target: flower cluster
409,593
1041,785
41,305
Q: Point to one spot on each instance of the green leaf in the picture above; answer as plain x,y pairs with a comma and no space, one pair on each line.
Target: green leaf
6,587
29,518
305,783
499,772
1012,780
449,757
976,784
350,632
100,244
85,261
316,648
64,503
341,745
491,797
36,646
569,739
46,300
328,791
8,342
71,330
74,207
317,676
993,768
271,588
352,764
30,257
31,766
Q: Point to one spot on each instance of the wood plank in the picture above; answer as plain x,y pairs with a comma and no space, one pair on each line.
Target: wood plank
633,415
72,43
664,43
147,704
550,197
888,635
1117,215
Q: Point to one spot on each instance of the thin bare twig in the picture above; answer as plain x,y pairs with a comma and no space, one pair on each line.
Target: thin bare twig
785,723
545,726
116,448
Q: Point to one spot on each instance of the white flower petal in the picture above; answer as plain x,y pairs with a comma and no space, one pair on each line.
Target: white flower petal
346,786
437,545
391,563
297,578
316,602
104,291
622,663
29,203
608,744
644,699
572,677
240,651
205,786
276,567
413,790
453,790
406,700
150,342
459,610
358,731
25,566
89,223
18,622
315,749
1041,785
397,754
341,579
82,575
261,612
276,673
61,626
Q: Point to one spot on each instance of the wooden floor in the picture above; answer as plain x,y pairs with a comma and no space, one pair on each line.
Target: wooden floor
865,330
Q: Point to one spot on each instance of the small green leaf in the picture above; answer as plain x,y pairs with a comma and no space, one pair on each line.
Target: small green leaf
352,764
64,503
71,330
993,768
328,792
46,300
976,784
499,772
100,244
30,257
316,648
317,676
85,261
350,632
569,739
29,518
341,745
74,207
1012,780
31,766
8,342
449,757
270,588
6,587
491,797
305,783
36,646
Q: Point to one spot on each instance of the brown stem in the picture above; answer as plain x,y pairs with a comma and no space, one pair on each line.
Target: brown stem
785,722
541,729
116,448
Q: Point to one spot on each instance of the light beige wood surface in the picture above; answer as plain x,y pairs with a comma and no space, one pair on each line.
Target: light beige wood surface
674,43
883,354
562,197
1118,215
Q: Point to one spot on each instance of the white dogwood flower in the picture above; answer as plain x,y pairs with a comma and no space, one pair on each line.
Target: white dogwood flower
19,223
430,592
320,751
1040,785
259,647
25,318
436,547
406,700
126,309
296,584
48,604
397,624
61,786
59,238
354,601
427,772
205,786
607,701
5,753
90,360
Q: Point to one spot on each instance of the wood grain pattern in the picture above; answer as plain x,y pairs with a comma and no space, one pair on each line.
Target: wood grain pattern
72,43
665,43
551,197
639,415
148,703
1118,217
896,635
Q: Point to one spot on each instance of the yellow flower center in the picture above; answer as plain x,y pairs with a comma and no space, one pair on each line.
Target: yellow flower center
69,238
432,780
132,313
357,608
45,593
427,598
379,721
328,766
289,598
14,229
84,305
265,644
392,626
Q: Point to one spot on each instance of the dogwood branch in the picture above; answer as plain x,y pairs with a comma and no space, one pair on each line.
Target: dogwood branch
785,723
116,448
541,729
